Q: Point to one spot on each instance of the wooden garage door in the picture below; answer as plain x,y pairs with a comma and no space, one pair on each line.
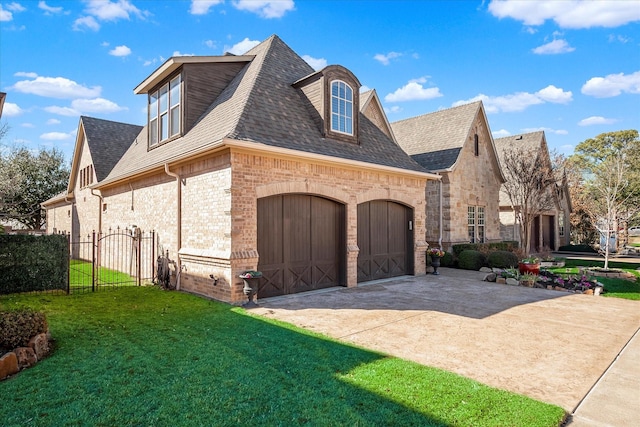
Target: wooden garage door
385,240
301,243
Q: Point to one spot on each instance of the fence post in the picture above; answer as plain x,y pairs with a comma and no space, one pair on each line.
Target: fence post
93,261
153,254
138,257
69,264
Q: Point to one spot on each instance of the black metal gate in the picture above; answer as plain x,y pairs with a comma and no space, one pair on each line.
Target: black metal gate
117,258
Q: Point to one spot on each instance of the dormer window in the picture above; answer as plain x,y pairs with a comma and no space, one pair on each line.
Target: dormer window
164,112
341,107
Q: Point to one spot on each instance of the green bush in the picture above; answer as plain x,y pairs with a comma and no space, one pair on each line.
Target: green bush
502,259
17,327
471,260
447,260
485,247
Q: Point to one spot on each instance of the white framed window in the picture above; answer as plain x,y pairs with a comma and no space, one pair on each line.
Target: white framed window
476,224
164,111
341,107
480,223
471,223
561,225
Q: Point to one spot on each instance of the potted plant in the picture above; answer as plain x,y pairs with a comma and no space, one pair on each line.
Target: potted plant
247,278
436,254
529,265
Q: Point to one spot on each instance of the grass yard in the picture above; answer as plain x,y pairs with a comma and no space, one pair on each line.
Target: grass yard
617,288
143,356
80,276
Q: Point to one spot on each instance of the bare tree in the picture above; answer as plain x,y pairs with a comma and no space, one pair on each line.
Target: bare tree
531,186
611,167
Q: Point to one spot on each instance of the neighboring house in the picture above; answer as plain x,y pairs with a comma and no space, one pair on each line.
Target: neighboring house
254,162
550,229
3,96
456,143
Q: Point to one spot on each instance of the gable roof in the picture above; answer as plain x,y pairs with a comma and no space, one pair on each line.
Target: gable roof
434,140
261,106
107,142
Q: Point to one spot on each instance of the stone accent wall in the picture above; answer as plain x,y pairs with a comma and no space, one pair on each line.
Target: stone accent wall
59,218
474,181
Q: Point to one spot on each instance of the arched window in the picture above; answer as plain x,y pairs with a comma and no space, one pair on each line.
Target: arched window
341,107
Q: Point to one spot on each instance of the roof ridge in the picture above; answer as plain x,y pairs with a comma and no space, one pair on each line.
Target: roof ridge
438,111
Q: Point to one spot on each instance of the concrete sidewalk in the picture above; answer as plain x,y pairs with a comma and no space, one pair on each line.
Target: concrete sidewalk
549,345
615,398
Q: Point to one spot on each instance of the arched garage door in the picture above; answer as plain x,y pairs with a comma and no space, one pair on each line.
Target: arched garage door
385,239
301,244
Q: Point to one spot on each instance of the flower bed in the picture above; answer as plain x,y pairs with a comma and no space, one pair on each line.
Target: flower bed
581,283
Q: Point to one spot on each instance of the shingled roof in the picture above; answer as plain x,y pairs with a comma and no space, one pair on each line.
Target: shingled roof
107,142
434,140
261,106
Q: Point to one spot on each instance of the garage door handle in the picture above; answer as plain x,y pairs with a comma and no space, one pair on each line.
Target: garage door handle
410,225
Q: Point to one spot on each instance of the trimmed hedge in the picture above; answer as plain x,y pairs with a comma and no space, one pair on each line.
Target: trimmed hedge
484,247
33,263
471,260
577,248
502,259
17,327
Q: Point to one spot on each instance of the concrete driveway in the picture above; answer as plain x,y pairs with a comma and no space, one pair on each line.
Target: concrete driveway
549,345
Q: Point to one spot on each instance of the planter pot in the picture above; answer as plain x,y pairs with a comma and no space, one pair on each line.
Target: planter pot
529,268
435,263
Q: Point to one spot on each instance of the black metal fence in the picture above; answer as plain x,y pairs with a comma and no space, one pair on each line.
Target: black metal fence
116,258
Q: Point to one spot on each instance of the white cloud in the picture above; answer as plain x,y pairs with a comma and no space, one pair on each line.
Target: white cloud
49,9
27,125
53,122
596,120
210,44
612,85
26,74
501,133
241,47
56,87
520,101
554,47
569,13
619,38
316,63
547,130
265,8
16,7
106,10
385,59
178,53
86,21
120,51
57,136
364,88
97,105
62,111
5,15
555,95
412,91
11,110
201,7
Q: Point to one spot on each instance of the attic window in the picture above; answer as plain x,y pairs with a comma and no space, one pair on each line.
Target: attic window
164,112
476,145
341,107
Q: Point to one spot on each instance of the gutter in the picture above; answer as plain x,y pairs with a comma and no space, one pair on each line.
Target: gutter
99,209
179,221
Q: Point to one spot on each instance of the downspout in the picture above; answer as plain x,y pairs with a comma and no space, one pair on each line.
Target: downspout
441,215
179,220
99,209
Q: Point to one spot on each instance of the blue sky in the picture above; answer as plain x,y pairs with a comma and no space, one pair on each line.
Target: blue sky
571,68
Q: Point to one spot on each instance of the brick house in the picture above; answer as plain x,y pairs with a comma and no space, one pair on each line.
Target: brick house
254,161
551,228
456,143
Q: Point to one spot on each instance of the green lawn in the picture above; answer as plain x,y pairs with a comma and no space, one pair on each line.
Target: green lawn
80,276
143,356
618,288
